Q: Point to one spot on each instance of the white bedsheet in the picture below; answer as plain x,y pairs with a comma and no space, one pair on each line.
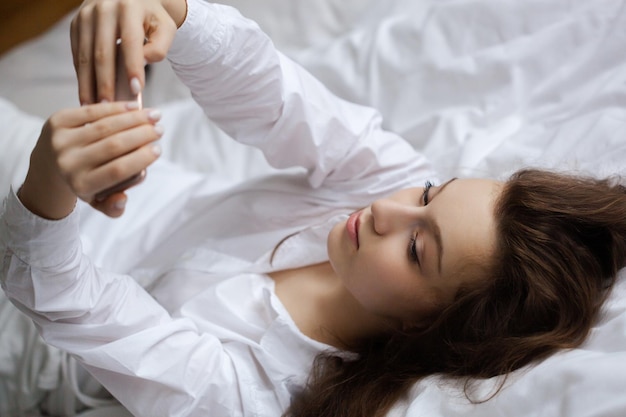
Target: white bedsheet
483,87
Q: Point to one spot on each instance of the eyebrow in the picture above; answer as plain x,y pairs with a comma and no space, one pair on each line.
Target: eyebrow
437,230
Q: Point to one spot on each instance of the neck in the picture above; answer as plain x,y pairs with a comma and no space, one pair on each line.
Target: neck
323,309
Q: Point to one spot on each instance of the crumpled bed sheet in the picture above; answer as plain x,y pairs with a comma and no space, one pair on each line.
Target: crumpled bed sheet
483,87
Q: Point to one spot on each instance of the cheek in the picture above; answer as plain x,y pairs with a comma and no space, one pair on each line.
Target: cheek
378,276
382,283
386,261
395,289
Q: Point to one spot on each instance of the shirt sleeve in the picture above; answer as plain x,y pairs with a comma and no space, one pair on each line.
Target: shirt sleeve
116,329
262,98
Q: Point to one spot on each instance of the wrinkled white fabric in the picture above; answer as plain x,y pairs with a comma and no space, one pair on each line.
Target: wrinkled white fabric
482,87
211,337
28,368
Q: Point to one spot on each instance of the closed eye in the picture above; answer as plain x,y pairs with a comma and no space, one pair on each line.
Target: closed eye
413,251
427,186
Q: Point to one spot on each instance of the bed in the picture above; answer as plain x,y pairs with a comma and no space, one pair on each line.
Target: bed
483,87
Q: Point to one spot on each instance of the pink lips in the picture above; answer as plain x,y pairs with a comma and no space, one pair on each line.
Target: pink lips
352,227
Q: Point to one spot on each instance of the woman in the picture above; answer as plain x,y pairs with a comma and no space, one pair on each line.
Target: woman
351,262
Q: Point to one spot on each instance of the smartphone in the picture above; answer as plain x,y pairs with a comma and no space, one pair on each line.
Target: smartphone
122,93
122,85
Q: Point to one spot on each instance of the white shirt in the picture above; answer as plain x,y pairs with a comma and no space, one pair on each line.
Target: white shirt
209,337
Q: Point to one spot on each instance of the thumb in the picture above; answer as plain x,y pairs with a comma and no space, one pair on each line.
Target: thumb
113,206
159,38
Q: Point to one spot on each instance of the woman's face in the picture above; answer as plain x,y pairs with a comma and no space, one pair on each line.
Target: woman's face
404,257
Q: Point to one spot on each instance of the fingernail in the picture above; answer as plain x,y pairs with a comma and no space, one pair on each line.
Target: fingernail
158,129
104,100
154,115
132,105
156,150
135,86
120,204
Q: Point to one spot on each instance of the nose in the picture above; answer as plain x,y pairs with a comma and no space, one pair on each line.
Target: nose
390,215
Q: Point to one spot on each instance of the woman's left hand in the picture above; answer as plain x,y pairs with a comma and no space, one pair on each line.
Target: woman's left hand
146,28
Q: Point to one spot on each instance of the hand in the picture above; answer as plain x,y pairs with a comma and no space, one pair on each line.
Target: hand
146,28
84,151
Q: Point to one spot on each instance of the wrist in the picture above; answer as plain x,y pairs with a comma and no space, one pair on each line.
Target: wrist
44,192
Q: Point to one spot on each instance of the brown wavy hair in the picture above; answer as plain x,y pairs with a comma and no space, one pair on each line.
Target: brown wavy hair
561,241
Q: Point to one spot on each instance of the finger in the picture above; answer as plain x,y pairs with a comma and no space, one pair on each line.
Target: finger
84,57
77,117
117,171
133,35
112,206
122,186
117,145
105,18
75,158
118,128
74,42
159,38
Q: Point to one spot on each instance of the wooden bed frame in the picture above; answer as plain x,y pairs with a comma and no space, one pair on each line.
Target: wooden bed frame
22,20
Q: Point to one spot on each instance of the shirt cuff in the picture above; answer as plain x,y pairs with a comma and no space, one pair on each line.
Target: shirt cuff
37,241
203,25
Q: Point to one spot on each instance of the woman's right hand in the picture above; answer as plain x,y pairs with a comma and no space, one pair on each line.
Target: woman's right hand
86,150
146,28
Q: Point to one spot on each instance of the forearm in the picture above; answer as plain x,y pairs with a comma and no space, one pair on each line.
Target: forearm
262,98
154,364
230,67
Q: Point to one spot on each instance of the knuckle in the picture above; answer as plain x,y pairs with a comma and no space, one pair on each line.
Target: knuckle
106,5
114,146
117,173
158,54
78,184
104,91
105,85
59,118
58,145
99,56
124,5
83,59
101,129
64,165
90,113
84,96
84,14
54,120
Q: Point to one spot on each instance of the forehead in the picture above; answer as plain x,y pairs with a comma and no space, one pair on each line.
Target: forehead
464,211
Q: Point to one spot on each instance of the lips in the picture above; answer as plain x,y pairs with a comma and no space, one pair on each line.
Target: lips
352,227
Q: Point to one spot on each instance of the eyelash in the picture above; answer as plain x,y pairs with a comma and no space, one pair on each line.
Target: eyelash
427,186
412,249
